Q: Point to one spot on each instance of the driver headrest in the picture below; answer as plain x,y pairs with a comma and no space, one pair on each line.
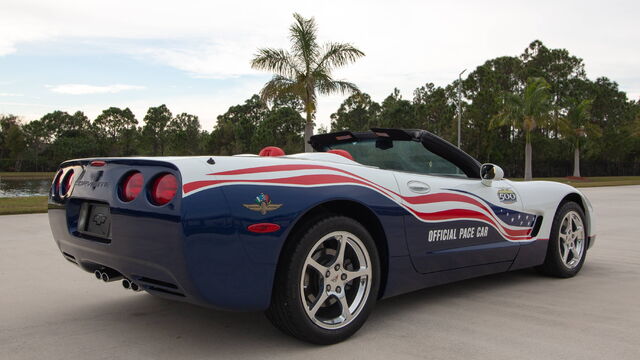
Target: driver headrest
344,153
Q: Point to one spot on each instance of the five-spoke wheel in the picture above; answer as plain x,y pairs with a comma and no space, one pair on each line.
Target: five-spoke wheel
568,242
572,239
336,279
328,281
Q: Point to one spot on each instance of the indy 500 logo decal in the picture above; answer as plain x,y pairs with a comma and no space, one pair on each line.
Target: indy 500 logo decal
507,196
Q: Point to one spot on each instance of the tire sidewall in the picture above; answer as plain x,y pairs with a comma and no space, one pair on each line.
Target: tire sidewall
553,253
305,244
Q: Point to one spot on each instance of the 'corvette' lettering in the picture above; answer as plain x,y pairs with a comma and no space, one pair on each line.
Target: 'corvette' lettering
458,233
92,184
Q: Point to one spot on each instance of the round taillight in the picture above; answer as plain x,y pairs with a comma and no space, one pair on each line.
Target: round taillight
66,183
164,188
132,186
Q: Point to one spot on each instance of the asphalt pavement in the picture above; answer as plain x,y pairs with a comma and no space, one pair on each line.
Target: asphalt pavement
49,309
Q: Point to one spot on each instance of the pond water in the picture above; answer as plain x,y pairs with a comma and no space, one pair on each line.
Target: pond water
20,187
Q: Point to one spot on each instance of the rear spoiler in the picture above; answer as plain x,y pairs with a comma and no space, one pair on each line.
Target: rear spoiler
120,161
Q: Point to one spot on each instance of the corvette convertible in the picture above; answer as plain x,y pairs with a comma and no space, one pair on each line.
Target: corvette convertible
313,239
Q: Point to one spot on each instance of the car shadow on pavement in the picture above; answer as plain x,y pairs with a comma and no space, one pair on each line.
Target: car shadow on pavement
175,328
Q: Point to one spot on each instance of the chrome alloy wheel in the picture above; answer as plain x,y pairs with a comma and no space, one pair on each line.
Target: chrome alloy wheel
336,280
572,239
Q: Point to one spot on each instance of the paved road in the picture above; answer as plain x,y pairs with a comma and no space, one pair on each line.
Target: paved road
51,310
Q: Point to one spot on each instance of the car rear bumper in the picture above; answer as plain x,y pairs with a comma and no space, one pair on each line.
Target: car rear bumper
170,258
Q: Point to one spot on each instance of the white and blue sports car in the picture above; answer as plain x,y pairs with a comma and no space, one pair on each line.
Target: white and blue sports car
315,239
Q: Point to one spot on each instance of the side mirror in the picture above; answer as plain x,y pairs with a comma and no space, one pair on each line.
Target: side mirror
490,172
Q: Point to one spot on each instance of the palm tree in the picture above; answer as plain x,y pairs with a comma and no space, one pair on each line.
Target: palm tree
525,112
576,127
305,70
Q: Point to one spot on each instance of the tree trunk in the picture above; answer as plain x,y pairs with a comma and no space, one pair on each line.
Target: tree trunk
576,162
527,161
308,132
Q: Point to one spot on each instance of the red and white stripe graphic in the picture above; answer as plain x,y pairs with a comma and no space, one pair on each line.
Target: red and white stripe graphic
436,207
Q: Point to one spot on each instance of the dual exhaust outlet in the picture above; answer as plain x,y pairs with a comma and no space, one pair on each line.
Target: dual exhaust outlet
109,275
128,284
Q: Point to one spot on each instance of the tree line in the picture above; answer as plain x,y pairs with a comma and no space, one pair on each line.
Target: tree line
542,98
42,144
534,111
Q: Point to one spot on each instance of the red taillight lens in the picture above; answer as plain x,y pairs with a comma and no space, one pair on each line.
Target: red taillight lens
132,186
98,163
56,183
164,189
66,184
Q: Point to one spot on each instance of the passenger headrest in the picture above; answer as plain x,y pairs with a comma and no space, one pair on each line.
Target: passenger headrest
271,151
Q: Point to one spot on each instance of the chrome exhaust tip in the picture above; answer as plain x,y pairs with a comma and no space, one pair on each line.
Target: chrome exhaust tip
108,275
98,274
126,284
135,287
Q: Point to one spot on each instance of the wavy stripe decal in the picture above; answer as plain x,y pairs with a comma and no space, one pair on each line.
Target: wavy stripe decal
275,168
488,213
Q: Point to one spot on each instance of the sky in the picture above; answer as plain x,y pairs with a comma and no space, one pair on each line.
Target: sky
194,56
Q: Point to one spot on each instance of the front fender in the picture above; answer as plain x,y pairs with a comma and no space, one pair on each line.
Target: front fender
545,197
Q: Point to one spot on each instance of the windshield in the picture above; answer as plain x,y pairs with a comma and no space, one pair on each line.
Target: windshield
401,155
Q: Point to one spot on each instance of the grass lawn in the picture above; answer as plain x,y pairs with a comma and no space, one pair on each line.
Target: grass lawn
23,205
27,175
595,181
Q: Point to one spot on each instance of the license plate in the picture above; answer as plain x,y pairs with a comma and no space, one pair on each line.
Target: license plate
95,220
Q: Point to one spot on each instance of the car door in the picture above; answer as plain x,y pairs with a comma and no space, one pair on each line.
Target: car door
455,222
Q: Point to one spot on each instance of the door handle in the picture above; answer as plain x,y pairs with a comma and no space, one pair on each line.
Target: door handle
418,187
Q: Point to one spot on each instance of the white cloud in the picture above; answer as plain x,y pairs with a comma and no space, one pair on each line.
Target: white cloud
83,89
206,106
212,60
10,94
402,37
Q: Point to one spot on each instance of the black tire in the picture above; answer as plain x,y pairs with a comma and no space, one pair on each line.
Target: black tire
287,310
553,264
